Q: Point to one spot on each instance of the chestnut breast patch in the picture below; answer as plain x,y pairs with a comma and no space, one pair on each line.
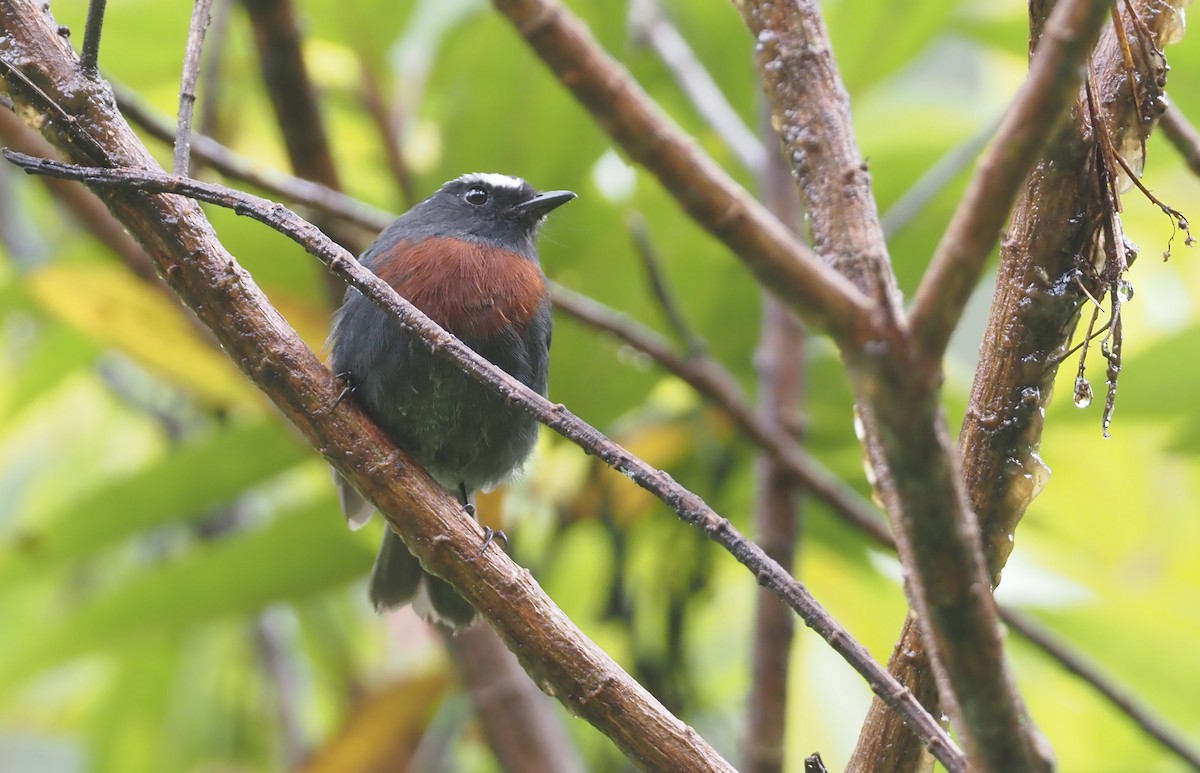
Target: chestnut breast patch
468,288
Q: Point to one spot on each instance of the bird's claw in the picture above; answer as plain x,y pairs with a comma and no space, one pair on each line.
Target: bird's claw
347,390
490,535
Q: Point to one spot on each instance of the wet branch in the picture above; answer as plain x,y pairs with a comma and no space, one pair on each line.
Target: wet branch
1052,232
1051,86
913,464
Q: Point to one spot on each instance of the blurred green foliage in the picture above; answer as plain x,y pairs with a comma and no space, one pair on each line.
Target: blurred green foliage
160,526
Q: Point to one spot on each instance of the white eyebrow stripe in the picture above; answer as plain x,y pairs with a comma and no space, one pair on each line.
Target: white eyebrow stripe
494,180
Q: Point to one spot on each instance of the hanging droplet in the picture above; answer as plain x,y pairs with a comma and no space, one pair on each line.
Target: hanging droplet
1083,393
1125,291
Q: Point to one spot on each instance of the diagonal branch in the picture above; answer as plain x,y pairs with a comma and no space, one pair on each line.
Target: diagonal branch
648,22
1183,135
826,301
1052,84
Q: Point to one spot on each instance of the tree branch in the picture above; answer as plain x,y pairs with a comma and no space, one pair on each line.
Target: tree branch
649,23
518,721
1053,82
780,363
1053,230
237,167
187,88
1183,135
1118,696
294,98
818,295
902,424
90,52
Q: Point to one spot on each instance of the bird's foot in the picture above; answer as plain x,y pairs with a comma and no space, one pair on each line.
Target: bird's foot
490,535
465,501
347,390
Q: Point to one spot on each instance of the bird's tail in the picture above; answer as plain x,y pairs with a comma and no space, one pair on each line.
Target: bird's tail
397,577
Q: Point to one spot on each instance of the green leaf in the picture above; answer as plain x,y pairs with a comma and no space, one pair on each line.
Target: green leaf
301,553
183,484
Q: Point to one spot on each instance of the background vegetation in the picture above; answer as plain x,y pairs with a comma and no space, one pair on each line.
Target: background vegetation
179,592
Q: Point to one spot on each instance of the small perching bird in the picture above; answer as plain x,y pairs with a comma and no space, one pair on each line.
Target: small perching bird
467,257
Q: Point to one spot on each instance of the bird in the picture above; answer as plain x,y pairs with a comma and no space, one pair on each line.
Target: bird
466,257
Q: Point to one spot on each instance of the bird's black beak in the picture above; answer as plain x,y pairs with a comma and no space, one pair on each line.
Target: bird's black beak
543,203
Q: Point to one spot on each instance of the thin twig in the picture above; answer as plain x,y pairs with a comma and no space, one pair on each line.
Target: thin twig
686,504
201,17
718,385
390,125
659,287
780,362
238,167
1183,135
649,23
1117,695
1052,84
210,82
90,52
905,209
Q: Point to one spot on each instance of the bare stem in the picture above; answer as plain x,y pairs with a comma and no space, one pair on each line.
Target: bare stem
780,363
1183,135
201,16
650,23
93,27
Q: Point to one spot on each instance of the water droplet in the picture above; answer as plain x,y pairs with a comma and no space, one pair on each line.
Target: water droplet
860,431
1125,291
1083,393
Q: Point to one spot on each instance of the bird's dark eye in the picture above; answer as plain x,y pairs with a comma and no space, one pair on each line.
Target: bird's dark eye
476,196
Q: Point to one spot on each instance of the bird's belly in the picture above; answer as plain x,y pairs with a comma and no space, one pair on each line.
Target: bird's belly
458,429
